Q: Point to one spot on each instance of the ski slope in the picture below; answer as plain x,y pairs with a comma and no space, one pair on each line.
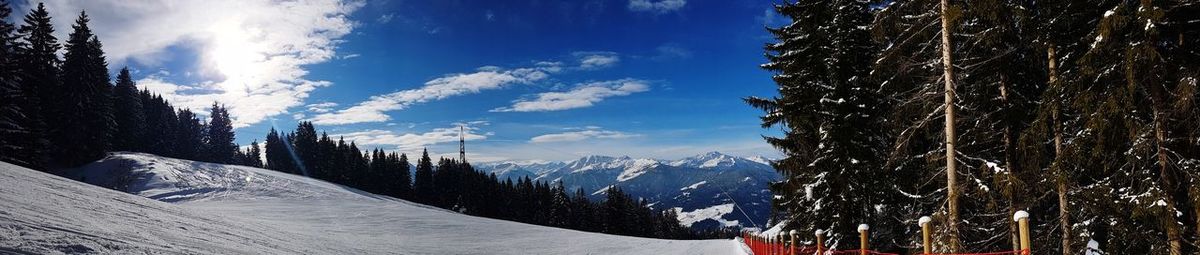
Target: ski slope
178,206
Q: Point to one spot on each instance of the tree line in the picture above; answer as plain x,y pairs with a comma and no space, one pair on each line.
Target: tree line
66,112
457,186
1081,112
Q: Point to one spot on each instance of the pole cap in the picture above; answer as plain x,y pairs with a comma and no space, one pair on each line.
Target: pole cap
1020,215
863,227
793,232
924,220
820,232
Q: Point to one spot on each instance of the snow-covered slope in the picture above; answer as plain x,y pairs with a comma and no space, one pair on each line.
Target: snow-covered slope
708,190
204,208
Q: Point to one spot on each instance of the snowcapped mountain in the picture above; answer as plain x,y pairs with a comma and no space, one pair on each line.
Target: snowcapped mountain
141,203
707,190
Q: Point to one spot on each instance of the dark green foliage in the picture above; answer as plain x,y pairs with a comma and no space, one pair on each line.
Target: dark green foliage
218,137
833,117
129,115
423,189
21,127
84,123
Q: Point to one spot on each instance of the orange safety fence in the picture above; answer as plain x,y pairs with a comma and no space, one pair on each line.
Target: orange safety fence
760,247
1022,252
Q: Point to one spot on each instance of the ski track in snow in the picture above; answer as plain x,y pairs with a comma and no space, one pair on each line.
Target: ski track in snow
202,208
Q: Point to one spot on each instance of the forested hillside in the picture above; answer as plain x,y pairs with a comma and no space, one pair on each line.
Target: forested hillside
1081,112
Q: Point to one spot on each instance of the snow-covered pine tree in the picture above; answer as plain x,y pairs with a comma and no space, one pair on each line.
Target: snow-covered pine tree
128,115
1057,27
832,115
1131,108
921,72
86,123
998,84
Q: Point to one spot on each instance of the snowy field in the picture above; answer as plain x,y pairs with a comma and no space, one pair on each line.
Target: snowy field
179,206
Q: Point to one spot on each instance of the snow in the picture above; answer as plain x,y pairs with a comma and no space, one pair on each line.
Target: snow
636,168
694,186
1093,248
924,220
179,206
1020,215
863,227
714,213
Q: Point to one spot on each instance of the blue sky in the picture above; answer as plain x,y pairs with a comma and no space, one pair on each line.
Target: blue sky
545,80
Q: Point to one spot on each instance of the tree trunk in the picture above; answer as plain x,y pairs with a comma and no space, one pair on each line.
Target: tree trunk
1010,189
1064,216
951,168
1174,237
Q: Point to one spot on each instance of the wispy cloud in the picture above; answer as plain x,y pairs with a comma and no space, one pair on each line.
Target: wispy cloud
321,107
412,142
250,53
385,18
350,56
486,78
584,95
590,132
591,60
661,6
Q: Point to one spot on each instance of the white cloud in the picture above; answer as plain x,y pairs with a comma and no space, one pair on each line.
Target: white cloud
386,18
574,136
487,78
321,107
350,56
250,53
661,6
584,95
414,142
592,60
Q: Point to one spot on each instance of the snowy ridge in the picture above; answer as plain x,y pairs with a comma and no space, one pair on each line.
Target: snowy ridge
203,208
707,180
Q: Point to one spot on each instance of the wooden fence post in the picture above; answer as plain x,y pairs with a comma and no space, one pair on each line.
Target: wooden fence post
862,235
926,239
1022,219
820,241
792,246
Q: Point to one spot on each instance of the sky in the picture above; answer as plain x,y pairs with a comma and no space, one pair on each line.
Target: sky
524,79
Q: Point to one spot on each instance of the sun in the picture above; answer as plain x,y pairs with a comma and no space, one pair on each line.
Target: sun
236,55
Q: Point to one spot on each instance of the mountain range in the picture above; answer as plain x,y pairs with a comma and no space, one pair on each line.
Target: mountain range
708,190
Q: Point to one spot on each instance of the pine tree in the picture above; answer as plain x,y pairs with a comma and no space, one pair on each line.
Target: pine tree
278,156
403,181
832,116
254,155
189,135
38,58
86,125
219,136
1131,105
21,126
423,181
128,114
305,145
